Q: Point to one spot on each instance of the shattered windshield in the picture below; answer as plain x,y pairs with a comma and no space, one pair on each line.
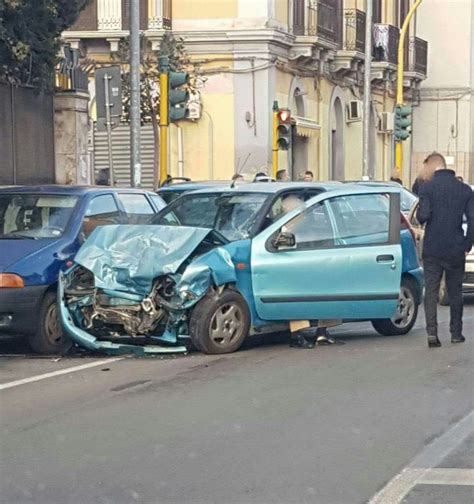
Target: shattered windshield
232,214
34,216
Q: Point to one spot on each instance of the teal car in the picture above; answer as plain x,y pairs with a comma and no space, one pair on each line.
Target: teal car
219,264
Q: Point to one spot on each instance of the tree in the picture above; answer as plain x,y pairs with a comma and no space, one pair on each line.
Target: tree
30,32
149,82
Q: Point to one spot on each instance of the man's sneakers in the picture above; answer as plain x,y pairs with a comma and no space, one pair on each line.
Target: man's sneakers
433,341
458,339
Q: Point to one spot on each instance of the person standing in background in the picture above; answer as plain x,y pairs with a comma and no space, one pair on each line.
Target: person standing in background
444,200
425,174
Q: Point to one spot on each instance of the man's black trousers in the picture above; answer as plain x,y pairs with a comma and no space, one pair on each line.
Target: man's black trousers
434,269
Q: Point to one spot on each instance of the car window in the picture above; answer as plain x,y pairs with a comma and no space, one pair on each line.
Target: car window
159,203
232,214
137,207
362,219
287,202
101,211
312,228
407,200
35,216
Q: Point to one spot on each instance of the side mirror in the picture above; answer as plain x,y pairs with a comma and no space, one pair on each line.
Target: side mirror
284,240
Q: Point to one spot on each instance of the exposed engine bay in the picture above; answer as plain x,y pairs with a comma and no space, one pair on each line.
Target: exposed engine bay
137,284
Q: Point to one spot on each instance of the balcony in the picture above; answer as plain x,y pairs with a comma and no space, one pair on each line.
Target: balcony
417,57
349,59
112,17
318,18
317,25
385,40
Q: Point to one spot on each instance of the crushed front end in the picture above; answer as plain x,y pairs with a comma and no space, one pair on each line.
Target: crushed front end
132,287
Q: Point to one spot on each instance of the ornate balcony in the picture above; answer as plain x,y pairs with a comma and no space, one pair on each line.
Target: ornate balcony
417,56
385,51
348,59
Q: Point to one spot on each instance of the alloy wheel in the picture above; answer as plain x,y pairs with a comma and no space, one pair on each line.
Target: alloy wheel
405,308
227,324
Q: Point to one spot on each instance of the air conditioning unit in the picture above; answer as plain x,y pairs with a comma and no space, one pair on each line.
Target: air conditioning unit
354,111
387,122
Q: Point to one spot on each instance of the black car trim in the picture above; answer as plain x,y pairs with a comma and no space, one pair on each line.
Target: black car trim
312,299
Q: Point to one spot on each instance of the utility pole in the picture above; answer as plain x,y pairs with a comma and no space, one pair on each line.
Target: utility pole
400,71
135,160
367,89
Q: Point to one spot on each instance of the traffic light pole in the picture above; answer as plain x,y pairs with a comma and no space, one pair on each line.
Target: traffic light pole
275,139
135,158
164,118
367,90
400,71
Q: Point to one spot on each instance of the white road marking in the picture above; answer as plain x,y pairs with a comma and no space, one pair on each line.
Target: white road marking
422,468
442,476
60,372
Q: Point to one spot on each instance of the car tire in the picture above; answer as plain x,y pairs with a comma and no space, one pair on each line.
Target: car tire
220,322
50,337
407,312
443,293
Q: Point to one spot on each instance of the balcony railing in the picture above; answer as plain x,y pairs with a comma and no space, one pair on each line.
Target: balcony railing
113,15
385,40
69,75
417,56
354,30
321,18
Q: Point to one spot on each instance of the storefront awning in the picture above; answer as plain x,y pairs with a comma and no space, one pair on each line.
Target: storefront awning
306,127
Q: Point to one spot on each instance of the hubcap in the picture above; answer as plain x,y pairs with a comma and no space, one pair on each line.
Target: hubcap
226,325
405,309
52,327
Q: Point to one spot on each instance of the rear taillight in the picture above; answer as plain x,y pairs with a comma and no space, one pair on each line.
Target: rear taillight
11,281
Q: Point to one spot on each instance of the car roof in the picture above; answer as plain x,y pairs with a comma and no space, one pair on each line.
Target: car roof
190,186
276,187
73,190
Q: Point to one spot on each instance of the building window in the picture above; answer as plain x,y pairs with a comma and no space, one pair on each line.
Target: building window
377,11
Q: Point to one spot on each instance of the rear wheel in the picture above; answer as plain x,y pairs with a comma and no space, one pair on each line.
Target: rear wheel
406,314
50,337
220,322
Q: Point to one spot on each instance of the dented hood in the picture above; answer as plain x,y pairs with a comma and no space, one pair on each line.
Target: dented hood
129,257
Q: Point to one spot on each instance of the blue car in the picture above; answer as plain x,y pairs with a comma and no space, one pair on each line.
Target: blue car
178,186
219,264
41,229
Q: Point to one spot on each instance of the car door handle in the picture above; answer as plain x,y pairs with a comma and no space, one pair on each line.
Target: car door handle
385,258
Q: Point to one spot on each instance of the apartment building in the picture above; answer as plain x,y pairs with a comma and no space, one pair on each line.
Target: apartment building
306,54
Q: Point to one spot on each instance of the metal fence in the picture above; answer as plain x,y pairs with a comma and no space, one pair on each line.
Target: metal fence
26,136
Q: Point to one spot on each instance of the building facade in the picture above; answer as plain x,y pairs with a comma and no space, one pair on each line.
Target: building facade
444,117
308,55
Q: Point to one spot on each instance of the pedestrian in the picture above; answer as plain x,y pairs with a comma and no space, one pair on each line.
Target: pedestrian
460,178
308,176
261,177
444,200
282,176
424,175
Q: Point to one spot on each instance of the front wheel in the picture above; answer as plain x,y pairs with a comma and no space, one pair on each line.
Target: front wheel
220,322
405,317
49,338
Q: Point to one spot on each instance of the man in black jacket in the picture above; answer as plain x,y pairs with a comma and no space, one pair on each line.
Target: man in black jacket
444,200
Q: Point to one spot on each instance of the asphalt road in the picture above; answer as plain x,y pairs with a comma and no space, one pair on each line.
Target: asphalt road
269,424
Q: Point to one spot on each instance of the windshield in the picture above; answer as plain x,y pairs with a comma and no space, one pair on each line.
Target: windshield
34,216
231,214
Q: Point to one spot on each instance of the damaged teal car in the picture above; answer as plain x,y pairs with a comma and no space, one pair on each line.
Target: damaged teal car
219,264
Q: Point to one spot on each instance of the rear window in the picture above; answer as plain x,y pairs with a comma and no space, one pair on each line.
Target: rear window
35,215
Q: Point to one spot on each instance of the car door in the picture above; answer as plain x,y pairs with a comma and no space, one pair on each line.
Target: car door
102,210
346,262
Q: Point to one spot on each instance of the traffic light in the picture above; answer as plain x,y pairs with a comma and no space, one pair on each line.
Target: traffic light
284,129
402,122
178,98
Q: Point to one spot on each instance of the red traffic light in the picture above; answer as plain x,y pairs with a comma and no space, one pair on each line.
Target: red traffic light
284,116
